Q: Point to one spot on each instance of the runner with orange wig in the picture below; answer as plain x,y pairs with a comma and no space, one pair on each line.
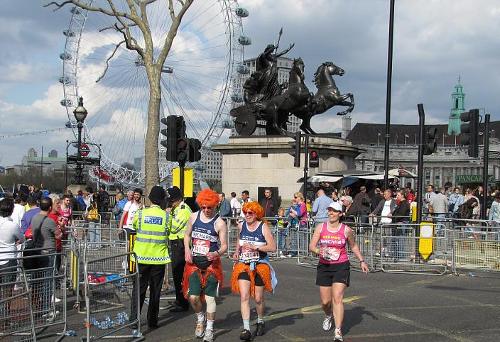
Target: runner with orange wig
205,240
252,274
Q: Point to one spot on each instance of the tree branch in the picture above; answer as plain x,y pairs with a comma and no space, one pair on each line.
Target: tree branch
130,41
171,9
172,32
88,8
114,28
108,59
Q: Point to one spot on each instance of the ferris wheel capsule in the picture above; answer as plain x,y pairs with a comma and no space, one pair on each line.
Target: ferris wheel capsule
66,103
69,33
236,97
244,40
241,12
242,69
64,80
65,56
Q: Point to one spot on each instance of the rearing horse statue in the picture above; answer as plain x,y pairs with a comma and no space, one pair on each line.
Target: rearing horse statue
327,96
277,109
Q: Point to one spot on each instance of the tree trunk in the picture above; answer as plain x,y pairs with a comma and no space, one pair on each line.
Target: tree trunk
151,153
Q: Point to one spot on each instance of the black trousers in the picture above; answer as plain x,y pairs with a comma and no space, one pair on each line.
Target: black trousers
178,263
152,276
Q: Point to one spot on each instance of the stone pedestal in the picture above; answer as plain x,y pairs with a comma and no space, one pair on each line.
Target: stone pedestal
259,161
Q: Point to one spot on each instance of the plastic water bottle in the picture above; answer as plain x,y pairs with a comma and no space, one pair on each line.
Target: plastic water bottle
70,333
471,274
136,333
93,321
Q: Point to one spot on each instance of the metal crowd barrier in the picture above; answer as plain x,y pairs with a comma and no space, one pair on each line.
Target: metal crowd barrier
458,245
33,295
16,314
111,299
88,243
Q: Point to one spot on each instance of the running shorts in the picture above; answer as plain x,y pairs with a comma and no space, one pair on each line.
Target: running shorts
211,287
327,274
245,276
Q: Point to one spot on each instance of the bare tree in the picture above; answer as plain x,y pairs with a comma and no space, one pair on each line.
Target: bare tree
135,15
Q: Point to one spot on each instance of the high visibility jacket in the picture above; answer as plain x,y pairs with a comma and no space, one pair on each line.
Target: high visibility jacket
151,239
178,220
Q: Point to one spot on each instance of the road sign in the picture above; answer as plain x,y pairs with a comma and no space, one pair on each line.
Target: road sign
188,180
84,150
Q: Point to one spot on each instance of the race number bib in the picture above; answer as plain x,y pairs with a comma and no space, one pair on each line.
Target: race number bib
330,253
201,247
248,255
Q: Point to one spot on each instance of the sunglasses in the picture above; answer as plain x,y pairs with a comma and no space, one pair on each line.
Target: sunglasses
205,207
248,213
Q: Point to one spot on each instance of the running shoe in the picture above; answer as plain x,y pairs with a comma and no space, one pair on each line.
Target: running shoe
338,336
259,330
199,331
327,323
209,335
245,335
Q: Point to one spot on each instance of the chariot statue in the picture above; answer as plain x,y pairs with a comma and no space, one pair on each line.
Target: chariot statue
267,100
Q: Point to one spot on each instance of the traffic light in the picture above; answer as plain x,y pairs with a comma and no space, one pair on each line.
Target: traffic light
470,131
430,144
175,131
182,151
296,149
194,150
313,158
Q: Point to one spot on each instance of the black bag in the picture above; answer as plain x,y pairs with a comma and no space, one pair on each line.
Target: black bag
31,250
201,261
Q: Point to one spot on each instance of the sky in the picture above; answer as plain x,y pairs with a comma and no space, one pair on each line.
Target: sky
435,43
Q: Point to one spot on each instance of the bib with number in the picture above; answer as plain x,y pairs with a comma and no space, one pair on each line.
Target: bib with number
201,247
330,253
248,255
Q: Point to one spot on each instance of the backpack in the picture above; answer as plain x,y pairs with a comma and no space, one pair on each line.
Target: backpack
93,213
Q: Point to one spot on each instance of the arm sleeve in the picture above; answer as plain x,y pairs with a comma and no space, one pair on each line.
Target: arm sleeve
182,218
135,220
315,206
19,234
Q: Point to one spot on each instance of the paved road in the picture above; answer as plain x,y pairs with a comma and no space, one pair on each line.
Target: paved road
379,307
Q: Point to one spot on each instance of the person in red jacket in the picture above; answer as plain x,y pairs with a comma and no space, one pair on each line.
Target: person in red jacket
59,220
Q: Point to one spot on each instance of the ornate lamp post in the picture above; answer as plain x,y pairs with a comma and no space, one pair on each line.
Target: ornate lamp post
80,114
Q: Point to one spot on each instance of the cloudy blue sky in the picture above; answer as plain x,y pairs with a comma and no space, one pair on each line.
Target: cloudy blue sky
436,41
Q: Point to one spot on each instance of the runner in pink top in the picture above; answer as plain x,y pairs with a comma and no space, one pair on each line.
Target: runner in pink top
332,245
65,210
329,243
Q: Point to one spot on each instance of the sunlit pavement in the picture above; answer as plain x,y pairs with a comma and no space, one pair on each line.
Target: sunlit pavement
378,307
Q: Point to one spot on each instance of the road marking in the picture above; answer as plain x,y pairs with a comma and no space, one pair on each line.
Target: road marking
287,336
439,307
306,309
423,326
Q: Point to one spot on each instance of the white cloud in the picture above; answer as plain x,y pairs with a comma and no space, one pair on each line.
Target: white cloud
435,42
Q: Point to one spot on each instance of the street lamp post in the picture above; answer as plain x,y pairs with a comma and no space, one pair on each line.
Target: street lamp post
80,114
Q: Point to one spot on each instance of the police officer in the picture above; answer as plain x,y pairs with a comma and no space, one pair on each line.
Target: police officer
151,251
177,223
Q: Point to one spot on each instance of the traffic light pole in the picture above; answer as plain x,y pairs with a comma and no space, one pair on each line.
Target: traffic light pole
306,162
388,96
486,147
420,165
181,177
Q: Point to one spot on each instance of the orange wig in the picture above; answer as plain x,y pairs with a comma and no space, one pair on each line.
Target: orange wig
207,197
256,208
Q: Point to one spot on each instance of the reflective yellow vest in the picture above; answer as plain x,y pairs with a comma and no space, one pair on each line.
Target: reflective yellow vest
178,220
151,239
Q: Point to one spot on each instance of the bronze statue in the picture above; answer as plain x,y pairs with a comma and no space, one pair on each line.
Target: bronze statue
266,100
327,96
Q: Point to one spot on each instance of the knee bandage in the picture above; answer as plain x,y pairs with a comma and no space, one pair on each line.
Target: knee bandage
211,305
